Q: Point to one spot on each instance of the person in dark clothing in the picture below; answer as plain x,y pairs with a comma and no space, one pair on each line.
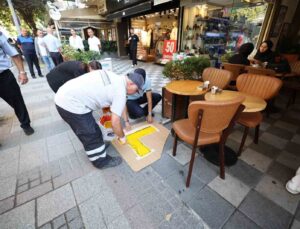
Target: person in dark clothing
242,56
9,89
26,43
133,42
69,70
264,53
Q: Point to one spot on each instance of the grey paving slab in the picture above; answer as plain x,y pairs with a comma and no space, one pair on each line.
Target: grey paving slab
19,217
183,154
66,177
245,173
166,166
280,132
297,214
211,207
54,204
120,222
60,150
237,136
72,214
273,140
7,187
296,139
76,224
59,222
9,168
280,172
88,186
203,169
292,148
6,204
138,218
266,149
34,193
177,182
239,220
287,126
275,191
46,226
289,160
225,189
255,159
295,225
34,183
264,212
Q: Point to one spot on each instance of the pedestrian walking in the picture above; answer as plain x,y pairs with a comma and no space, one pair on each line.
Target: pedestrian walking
53,46
93,41
9,89
78,98
26,43
133,43
41,50
76,41
69,70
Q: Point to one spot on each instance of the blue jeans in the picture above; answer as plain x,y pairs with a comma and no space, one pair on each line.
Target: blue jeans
136,111
49,62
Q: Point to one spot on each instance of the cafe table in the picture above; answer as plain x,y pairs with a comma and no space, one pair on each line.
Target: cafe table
251,103
186,88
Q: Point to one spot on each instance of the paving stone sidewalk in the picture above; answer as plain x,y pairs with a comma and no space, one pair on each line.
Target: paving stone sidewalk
46,180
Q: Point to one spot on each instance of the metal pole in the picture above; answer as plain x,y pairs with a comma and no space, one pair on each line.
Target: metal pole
13,13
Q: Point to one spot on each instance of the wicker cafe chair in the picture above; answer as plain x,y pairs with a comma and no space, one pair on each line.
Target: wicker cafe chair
261,86
260,71
207,123
217,77
236,70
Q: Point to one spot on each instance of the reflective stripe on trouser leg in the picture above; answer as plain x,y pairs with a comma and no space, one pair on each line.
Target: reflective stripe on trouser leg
96,153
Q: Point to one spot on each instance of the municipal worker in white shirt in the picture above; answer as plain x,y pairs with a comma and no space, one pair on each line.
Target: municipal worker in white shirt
75,41
94,42
78,98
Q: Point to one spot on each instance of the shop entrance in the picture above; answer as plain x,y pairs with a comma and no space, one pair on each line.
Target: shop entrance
153,30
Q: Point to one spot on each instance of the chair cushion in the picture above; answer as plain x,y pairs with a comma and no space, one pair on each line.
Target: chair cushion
186,132
250,119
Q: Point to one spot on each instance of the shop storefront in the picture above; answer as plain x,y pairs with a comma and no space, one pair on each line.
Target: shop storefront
216,27
156,31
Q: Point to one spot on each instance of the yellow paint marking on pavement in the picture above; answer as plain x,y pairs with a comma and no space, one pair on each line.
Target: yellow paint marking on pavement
134,140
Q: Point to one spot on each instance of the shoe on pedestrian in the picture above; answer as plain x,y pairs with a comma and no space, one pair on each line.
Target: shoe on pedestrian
33,77
107,162
292,187
41,75
28,130
132,66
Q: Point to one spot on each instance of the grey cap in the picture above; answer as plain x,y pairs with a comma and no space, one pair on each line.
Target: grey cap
137,79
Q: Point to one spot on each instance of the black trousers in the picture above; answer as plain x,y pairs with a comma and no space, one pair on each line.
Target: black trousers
10,92
134,106
56,57
33,59
133,53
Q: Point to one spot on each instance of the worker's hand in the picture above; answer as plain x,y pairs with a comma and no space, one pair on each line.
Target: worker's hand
129,38
127,126
23,79
122,141
149,118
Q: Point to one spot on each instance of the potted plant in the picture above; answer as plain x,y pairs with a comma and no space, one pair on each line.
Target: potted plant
188,69
70,53
109,48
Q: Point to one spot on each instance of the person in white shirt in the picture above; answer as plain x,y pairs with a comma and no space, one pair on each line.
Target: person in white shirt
41,50
53,45
93,41
78,98
75,41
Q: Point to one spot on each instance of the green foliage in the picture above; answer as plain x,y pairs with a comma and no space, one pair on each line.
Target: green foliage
189,68
108,46
227,55
70,53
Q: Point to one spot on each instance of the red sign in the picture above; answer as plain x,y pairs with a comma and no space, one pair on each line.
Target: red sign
169,49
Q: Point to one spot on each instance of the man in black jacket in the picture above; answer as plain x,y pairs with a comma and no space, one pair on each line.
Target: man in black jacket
133,41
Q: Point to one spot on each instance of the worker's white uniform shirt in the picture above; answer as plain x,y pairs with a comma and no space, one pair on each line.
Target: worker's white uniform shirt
93,91
94,43
76,42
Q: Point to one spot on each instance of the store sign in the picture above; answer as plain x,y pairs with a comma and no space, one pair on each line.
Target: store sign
169,49
157,2
192,2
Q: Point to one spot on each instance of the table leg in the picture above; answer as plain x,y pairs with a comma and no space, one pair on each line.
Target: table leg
186,105
211,153
174,100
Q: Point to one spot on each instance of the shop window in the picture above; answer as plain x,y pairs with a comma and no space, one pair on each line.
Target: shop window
214,30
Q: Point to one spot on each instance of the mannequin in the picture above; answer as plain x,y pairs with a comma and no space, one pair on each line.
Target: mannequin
174,31
149,35
144,36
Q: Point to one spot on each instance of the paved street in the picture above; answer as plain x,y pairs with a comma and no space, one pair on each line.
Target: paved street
46,180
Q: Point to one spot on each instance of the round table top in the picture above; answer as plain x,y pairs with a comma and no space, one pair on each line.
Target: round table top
185,87
252,103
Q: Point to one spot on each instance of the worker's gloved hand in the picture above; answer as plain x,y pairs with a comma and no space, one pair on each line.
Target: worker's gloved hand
122,141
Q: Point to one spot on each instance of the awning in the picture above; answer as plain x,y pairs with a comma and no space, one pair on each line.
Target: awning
130,11
85,13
